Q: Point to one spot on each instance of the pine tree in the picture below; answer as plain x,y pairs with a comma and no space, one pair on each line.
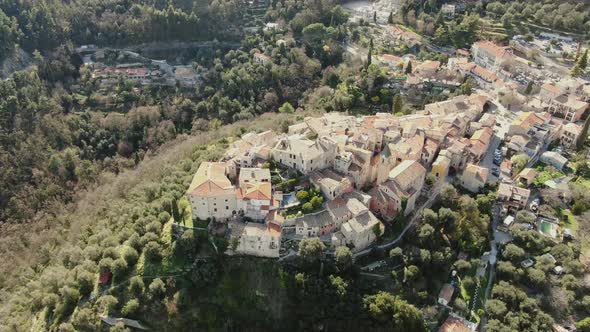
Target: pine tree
529,88
390,18
370,55
375,16
409,67
576,71
398,104
583,61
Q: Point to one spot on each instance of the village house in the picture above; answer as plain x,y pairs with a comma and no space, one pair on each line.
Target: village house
409,38
427,68
483,77
527,176
474,178
487,120
315,224
251,175
489,55
391,61
212,194
305,155
252,150
255,239
261,58
554,159
446,294
448,9
441,166
567,107
330,183
479,143
400,192
255,199
362,230
526,121
456,323
513,195
563,102
570,133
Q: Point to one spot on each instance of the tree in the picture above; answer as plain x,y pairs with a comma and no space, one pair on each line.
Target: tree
157,289
430,179
375,16
307,207
583,325
390,18
130,308
513,252
370,54
302,196
396,253
343,257
311,248
129,255
583,61
398,104
286,108
448,195
107,303
525,217
529,87
519,161
394,313
377,229
576,71
496,308
425,234
152,251
409,67
339,285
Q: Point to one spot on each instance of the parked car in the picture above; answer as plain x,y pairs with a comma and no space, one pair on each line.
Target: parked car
496,172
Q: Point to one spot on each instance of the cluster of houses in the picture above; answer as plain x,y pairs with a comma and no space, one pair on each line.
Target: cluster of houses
135,68
369,170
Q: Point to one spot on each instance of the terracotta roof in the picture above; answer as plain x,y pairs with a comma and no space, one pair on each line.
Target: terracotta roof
255,190
390,57
477,172
491,48
446,292
484,73
104,277
454,324
406,172
552,88
210,180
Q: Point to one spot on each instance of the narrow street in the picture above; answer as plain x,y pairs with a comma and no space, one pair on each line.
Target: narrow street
493,259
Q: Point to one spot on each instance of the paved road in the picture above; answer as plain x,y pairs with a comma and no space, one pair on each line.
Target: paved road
413,219
488,160
493,259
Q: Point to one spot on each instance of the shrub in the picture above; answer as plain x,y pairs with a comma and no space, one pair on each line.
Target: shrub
307,207
130,307
129,255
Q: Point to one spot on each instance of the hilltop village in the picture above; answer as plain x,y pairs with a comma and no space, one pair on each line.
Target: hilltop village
341,177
